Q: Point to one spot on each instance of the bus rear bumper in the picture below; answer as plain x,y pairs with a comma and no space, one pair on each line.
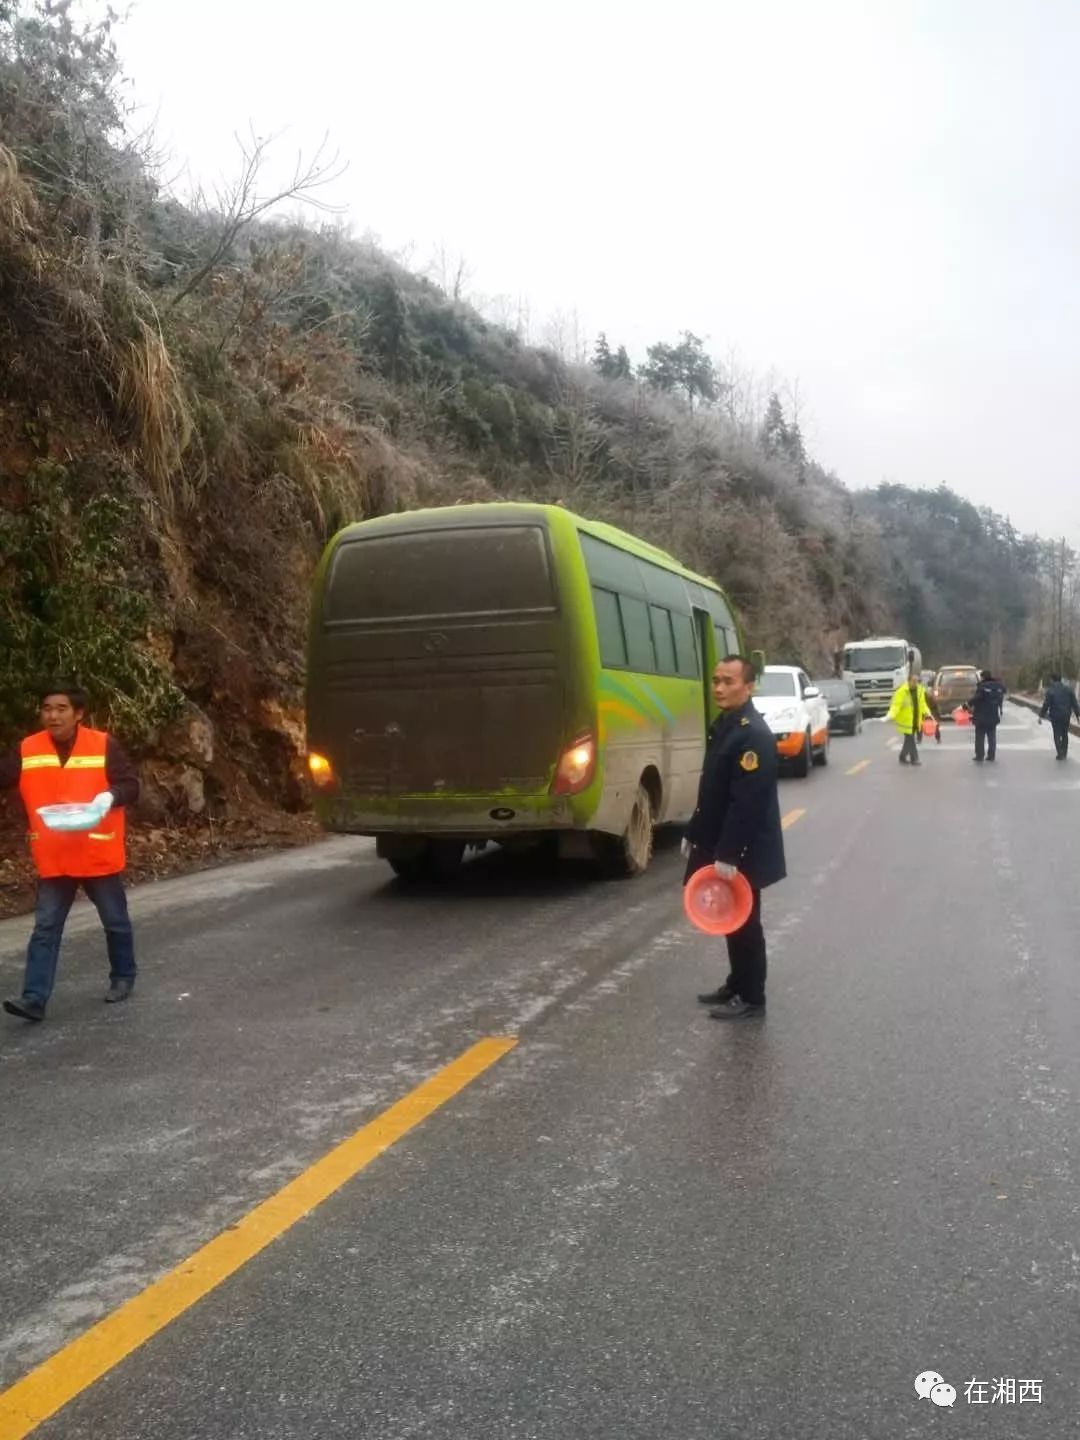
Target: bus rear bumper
451,817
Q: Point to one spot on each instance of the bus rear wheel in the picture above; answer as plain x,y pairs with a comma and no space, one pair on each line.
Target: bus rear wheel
439,860
628,854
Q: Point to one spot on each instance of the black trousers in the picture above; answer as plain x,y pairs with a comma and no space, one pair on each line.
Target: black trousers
746,948
909,750
1061,736
985,741
746,956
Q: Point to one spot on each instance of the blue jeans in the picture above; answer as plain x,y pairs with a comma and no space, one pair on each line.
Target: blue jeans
54,899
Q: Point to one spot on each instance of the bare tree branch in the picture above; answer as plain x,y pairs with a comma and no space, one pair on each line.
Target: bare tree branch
242,202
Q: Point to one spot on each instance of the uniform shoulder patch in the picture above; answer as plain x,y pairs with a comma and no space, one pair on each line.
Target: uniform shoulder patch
744,721
749,760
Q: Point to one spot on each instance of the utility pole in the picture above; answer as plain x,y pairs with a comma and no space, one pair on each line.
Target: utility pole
1057,579
997,648
1061,607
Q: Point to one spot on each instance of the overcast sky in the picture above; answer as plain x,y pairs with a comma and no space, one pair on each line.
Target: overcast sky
876,199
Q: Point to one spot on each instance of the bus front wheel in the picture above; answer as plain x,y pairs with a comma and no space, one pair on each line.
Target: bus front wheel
629,854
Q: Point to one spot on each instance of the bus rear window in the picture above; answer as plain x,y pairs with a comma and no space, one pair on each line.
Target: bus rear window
425,574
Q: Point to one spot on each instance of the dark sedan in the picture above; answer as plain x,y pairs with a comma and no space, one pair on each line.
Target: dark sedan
845,707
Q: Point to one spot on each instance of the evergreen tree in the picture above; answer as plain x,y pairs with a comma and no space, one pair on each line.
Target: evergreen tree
686,367
796,450
696,371
612,366
774,430
602,359
659,369
389,329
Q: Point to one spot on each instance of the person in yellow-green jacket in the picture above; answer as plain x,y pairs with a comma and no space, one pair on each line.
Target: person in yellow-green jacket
908,710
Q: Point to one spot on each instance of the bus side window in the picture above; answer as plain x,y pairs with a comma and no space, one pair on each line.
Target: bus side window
663,640
685,649
610,567
723,624
639,646
609,628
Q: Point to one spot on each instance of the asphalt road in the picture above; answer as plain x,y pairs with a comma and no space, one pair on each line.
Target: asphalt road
638,1223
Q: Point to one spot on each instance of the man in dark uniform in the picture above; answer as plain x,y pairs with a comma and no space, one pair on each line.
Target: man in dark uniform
1059,703
736,826
986,706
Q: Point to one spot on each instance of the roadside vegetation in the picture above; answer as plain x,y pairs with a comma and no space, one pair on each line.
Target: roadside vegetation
194,396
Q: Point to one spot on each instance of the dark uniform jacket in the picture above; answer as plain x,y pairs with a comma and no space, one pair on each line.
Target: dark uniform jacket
737,819
986,703
1059,702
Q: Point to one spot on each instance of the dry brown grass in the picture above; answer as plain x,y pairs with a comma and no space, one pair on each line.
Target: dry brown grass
151,397
66,319
18,207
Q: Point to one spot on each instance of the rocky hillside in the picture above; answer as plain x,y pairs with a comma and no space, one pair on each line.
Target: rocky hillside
193,400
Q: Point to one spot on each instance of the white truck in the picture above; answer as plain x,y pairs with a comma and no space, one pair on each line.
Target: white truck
878,666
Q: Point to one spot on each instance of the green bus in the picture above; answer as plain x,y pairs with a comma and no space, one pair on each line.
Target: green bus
506,672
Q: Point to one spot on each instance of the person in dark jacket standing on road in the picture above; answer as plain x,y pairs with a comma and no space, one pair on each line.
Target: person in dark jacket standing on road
736,826
1059,703
66,762
986,706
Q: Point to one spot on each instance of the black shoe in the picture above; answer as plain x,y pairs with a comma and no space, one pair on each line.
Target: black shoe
25,1009
718,997
978,759
119,990
737,1009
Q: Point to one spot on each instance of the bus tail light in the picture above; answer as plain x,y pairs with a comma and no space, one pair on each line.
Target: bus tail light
321,771
576,767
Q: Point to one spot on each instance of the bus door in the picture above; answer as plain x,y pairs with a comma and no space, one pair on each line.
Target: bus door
706,645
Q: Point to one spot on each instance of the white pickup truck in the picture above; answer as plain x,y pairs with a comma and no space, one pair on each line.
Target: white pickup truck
798,715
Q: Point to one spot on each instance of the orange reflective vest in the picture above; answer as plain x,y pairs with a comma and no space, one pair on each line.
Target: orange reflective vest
44,781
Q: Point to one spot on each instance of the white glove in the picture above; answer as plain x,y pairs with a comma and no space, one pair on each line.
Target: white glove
726,872
685,848
103,802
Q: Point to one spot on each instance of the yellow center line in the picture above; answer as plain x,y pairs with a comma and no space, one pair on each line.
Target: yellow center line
856,768
96,1351
785,824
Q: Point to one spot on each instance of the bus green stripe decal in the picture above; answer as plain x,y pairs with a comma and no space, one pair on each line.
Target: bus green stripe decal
609,685
621,709
651,694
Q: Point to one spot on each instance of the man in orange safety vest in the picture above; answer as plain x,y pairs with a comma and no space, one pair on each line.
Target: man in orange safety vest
66,762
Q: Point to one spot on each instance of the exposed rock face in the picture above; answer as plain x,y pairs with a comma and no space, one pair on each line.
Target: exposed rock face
174,777
190,739
170,792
